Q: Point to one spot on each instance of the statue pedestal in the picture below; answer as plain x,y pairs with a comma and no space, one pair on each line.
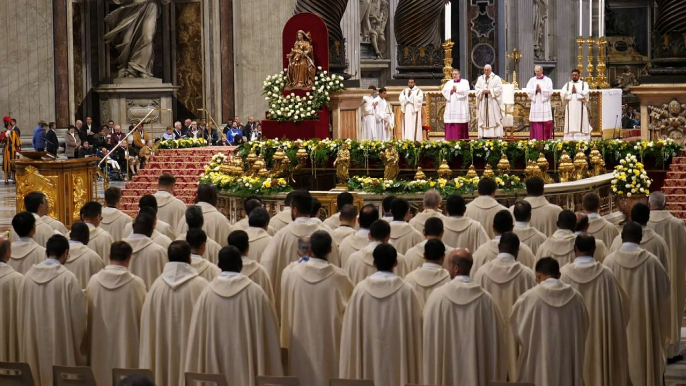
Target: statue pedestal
130,99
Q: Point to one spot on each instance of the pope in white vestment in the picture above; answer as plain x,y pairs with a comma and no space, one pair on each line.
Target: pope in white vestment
456,115
489,91
369,103
539,90
411,101
575,95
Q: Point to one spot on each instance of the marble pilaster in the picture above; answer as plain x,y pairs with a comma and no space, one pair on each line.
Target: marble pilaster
523,18
351,32
390,38
564,17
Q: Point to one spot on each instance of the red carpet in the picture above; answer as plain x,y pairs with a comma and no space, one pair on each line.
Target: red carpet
675,187
185,164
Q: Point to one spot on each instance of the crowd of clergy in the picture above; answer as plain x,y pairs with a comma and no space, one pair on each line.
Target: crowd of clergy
468,295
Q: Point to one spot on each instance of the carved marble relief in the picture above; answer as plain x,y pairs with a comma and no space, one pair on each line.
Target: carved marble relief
137,109
668,120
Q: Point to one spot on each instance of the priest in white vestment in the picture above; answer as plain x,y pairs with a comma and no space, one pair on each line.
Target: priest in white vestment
390,354
359,239
560,246
598,227
113,219
385,118
9,291
431,275
251,268
169,208
543,213
36,204
56,225
347,219
115,300
673,232
540,90
646,283
457,114
197,239
489,94
83,262
411,101
216,225
99,239
248,207
25,252
195,220
483,208
601,250
149,259
488,251
575,96
414,258
342,199
369,103
606,358
283,217
52,313
360,265
432,208
166,317
528,235
460,231
463,331
314,297
550,325
506,279
403,235
233,330
257,233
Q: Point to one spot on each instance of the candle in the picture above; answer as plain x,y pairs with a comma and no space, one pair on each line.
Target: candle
448,17
581,17
601,22
590,18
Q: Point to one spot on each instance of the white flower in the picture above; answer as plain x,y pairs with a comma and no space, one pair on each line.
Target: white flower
319,68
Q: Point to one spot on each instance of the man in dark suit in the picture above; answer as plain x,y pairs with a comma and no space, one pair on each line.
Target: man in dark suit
51,141
249,127
186,127
178,129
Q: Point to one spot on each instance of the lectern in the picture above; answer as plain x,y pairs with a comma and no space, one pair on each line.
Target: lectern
67,184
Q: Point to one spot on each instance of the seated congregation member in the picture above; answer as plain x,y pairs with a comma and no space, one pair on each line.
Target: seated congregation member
598,227
36,204
115,300
560,245
251,268
161,227
361,264
9,288
347,218
52,313
283,218
538,318
83,262
433,230
99,239
259,238
195,220
386,208
197,239
390,354
25,252
543,213
506,279
283,249
167,312
651,241
113,219
249,205
463,331
215,224
528,235
233,330
403,235
313,301
605,359
502,224
484,208
431,275
646,282
360,239
581,229
342,200
432,204
169,208
149,259
461,231
168,133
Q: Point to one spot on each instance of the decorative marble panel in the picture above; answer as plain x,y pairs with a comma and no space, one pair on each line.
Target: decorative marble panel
189,57
483,36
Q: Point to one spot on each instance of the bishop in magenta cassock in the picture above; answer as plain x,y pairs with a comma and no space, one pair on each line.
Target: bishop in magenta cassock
540,90
457,114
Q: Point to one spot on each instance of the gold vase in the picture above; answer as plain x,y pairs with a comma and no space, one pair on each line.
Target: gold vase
444,170
580,165
543,166
488,172
471,173
420,174
565,168
503,165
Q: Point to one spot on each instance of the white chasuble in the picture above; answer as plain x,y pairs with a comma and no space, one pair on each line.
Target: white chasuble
488,105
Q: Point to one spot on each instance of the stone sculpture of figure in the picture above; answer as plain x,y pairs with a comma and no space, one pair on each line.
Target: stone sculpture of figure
391,160
132,30
301,68
540,17
374,18
626,80
342,164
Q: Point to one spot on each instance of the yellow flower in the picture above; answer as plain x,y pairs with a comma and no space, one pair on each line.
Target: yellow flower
267,184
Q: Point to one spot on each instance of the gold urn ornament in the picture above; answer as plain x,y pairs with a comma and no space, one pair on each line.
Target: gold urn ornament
543,166
471,173
420,174
503,165
488,172
281,164
597,162
565,168
258,166
444,170
580,165
530,170
251,158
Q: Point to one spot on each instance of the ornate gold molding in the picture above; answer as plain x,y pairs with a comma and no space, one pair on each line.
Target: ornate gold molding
30,180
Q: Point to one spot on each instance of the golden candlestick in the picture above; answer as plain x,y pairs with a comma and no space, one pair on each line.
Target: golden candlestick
601,79
447,61
580,66
590,79
515,56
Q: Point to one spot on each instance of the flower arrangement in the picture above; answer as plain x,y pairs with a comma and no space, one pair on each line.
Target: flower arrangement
184,143
295,108
242,186
630,178
459,185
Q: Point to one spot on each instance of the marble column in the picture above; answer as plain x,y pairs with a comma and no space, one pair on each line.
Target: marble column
564,17
521,15
351,32
390,37
212,93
